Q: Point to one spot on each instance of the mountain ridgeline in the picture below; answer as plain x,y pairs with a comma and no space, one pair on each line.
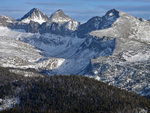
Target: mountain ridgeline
58,23
61,24
37,22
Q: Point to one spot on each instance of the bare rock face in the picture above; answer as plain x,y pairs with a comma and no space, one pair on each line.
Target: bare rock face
97,23
59,23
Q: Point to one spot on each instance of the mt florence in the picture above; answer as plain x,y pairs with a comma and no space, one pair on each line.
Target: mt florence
113,49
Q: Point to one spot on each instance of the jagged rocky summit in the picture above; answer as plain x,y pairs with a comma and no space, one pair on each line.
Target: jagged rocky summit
37,22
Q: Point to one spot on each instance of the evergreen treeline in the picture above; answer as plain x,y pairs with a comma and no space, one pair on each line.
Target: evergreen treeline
74,94
6,76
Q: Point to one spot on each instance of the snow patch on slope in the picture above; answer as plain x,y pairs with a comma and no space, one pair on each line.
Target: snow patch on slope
39,19
8,103
137,57
72,25
61,20
18,54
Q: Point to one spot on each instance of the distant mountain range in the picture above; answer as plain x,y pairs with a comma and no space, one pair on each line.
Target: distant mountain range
113,48
37,22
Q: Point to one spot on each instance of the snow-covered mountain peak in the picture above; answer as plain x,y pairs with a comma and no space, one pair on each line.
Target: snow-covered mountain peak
60,23
59,11
8,19
5,21
97,23
34,10
112,14
59,17
34,15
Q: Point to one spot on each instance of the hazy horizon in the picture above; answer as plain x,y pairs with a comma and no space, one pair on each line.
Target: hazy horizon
81,10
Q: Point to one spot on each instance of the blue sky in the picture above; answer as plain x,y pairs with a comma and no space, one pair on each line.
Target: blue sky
81,10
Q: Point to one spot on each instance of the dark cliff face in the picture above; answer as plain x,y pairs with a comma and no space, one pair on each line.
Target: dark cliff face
55,28
90,25
33,27
97,23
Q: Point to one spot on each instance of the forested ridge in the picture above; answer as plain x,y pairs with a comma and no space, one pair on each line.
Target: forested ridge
70,94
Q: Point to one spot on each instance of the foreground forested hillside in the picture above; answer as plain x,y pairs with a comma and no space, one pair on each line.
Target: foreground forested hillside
69,94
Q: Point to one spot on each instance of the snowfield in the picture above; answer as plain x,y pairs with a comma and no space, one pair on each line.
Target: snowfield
54,52
40,20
